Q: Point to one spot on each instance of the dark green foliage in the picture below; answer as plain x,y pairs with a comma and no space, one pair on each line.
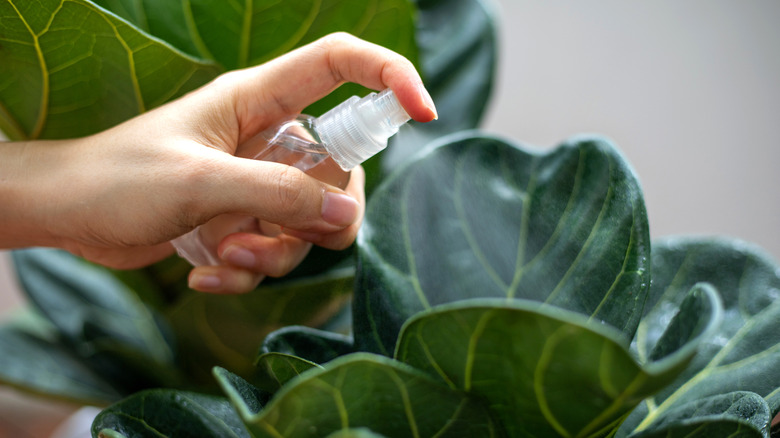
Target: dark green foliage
498,291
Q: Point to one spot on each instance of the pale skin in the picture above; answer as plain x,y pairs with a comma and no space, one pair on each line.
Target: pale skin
118,197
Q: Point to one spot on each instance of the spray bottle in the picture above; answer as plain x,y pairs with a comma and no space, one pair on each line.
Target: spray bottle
325,147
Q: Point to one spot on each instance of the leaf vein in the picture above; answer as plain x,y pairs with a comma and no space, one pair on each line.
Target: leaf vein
588,242
43,112
470,239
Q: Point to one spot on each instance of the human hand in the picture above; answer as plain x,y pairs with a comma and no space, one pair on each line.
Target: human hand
119,196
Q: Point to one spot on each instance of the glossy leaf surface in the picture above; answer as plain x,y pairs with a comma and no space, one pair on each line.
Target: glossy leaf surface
71,68
162,412
478,217
367,391
744,353
529,361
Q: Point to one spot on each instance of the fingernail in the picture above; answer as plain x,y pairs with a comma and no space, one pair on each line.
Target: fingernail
201,282
428,100
241,257
339,209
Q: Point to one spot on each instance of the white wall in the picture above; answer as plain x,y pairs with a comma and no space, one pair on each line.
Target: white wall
689,90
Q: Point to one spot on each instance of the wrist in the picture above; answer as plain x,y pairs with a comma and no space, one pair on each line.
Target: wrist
31,190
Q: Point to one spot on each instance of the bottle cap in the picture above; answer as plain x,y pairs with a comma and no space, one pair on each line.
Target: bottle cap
358,129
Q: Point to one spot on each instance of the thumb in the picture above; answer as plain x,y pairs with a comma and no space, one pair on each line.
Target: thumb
279,194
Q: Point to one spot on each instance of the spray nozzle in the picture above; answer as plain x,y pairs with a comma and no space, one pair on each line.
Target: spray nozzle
358,128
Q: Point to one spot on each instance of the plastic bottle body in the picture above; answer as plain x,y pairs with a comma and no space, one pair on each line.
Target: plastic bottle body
293,142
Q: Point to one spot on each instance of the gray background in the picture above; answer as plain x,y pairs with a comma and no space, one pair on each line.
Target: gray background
688,90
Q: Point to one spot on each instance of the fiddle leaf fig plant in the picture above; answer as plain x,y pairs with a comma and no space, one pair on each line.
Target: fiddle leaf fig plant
445,350
496,290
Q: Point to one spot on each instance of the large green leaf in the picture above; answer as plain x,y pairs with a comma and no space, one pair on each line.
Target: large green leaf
44,365
529,361
745,352
165,20
102,320
365,391
71,68
162,412
478,217
242,34
237,35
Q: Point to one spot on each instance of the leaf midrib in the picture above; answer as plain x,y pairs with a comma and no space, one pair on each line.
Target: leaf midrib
44,105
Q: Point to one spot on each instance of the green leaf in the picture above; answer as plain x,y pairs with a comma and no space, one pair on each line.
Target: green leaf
743,353
99,317
247,398
163,412
274,370
165,20
250,33
478,217
528,361
736,414
45,366
289,351
216,330
368,391
238,35
318,346
71,68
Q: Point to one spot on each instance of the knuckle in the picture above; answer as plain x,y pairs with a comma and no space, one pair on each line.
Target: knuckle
290,195
287,260
225,80
279,270
192,184
337,38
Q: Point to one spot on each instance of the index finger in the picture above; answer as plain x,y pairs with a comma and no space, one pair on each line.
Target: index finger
288,84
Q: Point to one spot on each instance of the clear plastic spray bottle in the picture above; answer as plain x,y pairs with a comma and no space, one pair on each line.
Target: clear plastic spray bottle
325,147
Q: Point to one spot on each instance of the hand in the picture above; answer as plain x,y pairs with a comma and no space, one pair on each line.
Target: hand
118,197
